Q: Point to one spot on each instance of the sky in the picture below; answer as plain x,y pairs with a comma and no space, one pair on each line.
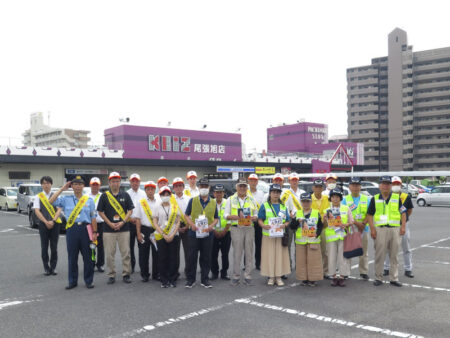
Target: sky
227,64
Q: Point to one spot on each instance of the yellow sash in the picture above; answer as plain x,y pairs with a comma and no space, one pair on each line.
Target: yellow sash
147,210
170,223
251,195
96,198
45,202
286,195
76,211
173,200
116,205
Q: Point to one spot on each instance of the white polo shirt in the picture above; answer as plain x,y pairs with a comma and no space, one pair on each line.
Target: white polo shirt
136,196
140,212
96,198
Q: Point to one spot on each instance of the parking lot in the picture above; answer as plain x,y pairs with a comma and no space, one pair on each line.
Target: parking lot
33,305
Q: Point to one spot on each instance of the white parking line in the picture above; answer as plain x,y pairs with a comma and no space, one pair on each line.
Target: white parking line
27,227
326,319
152,327
412,249
12,213
432,288
437,247
10,302
6,230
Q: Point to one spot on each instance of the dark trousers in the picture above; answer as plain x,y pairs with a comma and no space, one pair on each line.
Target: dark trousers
49,236
204,246
185,241
133,240
144,254
223,245
167,259
258,240
77,239
100,248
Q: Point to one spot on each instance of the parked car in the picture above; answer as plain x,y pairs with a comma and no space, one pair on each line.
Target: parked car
368,184
25,197
370,191
410,189
439,195
422,188
8,198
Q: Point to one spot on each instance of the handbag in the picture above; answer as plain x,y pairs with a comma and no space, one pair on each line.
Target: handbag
353,243
285,238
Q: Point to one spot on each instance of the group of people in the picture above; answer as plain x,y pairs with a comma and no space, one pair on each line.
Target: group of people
259,226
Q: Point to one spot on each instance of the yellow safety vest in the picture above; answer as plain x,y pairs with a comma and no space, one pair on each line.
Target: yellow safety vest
50,209
249,203
301,237
387,214
332,233
359,212
270,214
76,211
116,205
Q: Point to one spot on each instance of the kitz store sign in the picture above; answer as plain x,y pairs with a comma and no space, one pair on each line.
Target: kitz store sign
181,144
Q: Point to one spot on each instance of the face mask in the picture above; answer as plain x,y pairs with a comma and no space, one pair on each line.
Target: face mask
331,186
396,188
204,192
165,199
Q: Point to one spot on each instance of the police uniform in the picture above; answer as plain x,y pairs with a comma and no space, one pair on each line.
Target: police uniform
77,237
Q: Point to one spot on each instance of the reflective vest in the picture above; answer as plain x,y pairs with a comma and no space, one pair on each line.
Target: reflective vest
313,219
197,209
235,205
359,213
333,234
270,214
387,214
222,224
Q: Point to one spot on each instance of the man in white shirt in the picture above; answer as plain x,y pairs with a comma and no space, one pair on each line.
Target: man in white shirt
49,226
258,196
242,233
182,200
136,195
192,189
95,195
144,229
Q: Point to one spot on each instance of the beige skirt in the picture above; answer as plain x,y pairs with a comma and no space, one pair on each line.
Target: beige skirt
308,262
274,258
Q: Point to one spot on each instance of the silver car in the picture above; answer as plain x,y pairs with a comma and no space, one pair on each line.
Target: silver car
25,197
439,195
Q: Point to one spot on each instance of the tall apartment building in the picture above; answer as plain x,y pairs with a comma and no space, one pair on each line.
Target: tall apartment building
42,135
399,107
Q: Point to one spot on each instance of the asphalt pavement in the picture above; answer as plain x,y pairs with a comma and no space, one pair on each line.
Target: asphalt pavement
33,305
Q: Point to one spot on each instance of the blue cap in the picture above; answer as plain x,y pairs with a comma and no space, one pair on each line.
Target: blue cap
305,197
355,180
274,187
337,192
385,179
318,182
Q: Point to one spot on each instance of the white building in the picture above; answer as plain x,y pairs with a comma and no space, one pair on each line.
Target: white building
42,135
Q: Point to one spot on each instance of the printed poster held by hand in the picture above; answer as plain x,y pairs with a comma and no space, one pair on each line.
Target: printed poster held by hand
334,217
245,217
201,223
275,227
308,228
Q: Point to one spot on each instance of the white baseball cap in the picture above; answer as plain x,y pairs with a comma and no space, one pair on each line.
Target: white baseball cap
293,176
396,179
277,176
114,174
95,180
191,173
253,177
150,184
333,176
162,178
177,180
135,177
163,189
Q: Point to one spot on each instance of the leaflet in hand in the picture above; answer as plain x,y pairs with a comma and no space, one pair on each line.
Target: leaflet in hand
275,227
308,228
334,217
201,223
245,217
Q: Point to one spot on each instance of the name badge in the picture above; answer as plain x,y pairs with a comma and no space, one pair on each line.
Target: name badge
383,218
352,206
116,218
